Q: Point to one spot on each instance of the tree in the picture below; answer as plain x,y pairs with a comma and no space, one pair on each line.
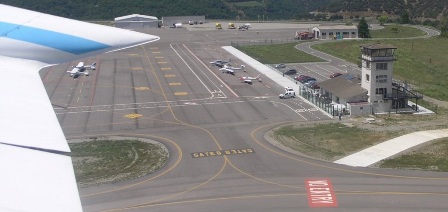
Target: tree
363,28
444,29
405,18
383,19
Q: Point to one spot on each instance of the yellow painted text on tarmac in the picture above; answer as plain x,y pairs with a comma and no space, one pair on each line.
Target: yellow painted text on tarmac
222,152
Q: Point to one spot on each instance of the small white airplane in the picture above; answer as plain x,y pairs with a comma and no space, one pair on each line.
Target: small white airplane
220,63
248,80
244,27
231,70
81,69
176,25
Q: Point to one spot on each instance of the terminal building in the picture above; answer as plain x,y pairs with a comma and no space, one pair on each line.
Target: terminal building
335,32
136,21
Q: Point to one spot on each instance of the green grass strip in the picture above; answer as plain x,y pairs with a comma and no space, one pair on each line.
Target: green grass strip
421,62
278,53
431,158
108,161
329,141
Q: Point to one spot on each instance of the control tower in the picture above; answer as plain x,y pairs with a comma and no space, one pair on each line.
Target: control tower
384,94
377,73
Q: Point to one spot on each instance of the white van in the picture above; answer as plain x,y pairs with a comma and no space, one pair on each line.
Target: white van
289,93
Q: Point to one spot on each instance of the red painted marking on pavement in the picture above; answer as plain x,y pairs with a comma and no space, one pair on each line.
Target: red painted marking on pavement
320,193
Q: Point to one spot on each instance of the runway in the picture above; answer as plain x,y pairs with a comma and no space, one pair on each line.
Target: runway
215,129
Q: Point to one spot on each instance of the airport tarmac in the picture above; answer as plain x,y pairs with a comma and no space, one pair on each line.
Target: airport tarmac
214,128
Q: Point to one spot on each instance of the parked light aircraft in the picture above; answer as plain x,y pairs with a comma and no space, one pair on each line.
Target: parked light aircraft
244,27
248,80
231,70
81,69
37,173
220,63
176,25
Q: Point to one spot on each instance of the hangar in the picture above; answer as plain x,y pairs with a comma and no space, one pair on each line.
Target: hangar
136,21
335,32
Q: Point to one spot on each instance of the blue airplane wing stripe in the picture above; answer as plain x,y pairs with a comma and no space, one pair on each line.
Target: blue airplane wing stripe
56,40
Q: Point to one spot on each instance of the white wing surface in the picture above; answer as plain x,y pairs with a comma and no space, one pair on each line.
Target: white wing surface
36,181
36,175
26,116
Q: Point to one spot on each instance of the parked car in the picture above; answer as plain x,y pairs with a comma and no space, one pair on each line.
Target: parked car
308,79
281,65
310,83
298,78
290,72
335,75
315,86
302,79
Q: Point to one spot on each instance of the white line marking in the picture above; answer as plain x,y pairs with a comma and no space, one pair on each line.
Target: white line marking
192,71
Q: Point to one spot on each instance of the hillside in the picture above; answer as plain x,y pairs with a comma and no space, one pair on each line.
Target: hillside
431,11
212,9
417,9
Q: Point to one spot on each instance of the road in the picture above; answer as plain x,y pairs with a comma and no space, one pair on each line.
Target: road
215,129
322,71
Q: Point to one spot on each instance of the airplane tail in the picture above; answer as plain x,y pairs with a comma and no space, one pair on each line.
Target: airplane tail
93,66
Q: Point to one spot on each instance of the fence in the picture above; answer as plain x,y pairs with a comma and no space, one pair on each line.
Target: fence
320,101
236,44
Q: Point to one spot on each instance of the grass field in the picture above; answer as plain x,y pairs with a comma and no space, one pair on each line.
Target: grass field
422,62
432,157
329,141
401,32
278,53
107,161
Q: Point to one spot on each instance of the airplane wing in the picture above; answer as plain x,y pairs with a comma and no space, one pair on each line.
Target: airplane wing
33,178
37,181
80,65
36,173
74,71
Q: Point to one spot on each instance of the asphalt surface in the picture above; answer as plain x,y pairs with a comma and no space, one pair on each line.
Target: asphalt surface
214,127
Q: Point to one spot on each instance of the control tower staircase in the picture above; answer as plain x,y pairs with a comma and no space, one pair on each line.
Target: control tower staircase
401,93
